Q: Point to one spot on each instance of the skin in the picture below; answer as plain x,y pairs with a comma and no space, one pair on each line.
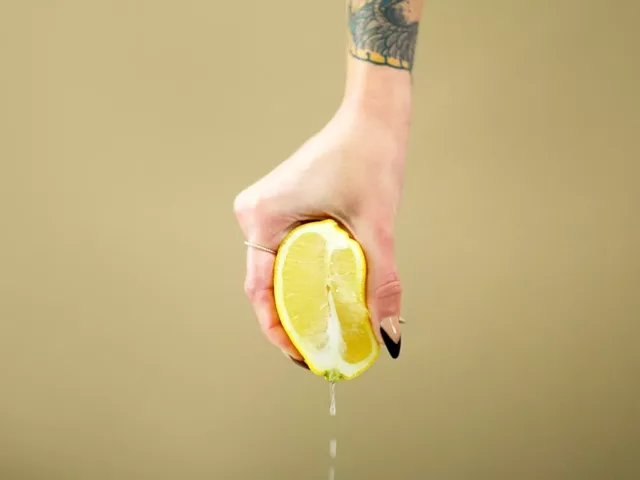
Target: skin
352,170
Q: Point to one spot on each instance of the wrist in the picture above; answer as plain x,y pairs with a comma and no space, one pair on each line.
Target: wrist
379,93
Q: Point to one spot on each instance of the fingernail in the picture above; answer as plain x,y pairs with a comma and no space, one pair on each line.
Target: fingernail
390,332
300,363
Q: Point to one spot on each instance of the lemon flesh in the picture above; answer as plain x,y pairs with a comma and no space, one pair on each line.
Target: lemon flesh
319,289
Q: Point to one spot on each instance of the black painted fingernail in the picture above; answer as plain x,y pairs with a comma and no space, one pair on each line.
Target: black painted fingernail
390,332
300,363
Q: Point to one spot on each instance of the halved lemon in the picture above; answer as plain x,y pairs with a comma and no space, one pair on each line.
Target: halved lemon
319,288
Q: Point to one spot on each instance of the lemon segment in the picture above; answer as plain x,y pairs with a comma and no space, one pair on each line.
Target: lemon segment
319,289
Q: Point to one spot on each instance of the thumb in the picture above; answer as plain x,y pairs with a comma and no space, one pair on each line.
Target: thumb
384,290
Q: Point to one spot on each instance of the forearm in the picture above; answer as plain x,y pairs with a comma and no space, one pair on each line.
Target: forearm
382,42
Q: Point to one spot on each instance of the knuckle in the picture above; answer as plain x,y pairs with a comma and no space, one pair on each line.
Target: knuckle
253,290
378,229
384,236
269,330
249,208
238,203
390,290
388,298
243,204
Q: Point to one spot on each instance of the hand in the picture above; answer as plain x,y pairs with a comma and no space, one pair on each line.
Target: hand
351,171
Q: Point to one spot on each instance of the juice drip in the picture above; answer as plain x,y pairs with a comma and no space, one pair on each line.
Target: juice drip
333,443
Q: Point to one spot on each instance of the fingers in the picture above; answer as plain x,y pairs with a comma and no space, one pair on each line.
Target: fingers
259,288
384,289
259,227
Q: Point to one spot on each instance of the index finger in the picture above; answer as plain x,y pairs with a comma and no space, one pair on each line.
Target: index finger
258,286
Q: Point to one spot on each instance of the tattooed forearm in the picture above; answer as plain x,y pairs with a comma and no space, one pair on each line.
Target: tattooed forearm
384,32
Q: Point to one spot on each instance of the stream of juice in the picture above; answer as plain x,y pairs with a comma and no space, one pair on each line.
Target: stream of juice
333,443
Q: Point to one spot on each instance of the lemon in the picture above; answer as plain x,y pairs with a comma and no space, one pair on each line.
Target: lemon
319,284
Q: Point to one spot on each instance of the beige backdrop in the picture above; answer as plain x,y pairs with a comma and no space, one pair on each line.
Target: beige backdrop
127,348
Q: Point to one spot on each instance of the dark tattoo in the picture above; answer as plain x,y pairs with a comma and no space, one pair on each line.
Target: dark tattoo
383,32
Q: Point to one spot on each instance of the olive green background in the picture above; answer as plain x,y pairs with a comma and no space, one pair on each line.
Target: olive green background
127,347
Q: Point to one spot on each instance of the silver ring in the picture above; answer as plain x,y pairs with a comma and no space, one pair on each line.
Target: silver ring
260,247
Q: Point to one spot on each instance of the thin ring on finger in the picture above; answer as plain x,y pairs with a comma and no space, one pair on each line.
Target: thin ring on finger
260,247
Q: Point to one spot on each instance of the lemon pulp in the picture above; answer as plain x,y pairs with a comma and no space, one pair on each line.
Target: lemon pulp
319,289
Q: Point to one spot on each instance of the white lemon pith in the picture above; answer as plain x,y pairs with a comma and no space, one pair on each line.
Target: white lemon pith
319,289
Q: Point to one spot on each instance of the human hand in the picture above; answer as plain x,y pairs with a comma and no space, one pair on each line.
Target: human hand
351,171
